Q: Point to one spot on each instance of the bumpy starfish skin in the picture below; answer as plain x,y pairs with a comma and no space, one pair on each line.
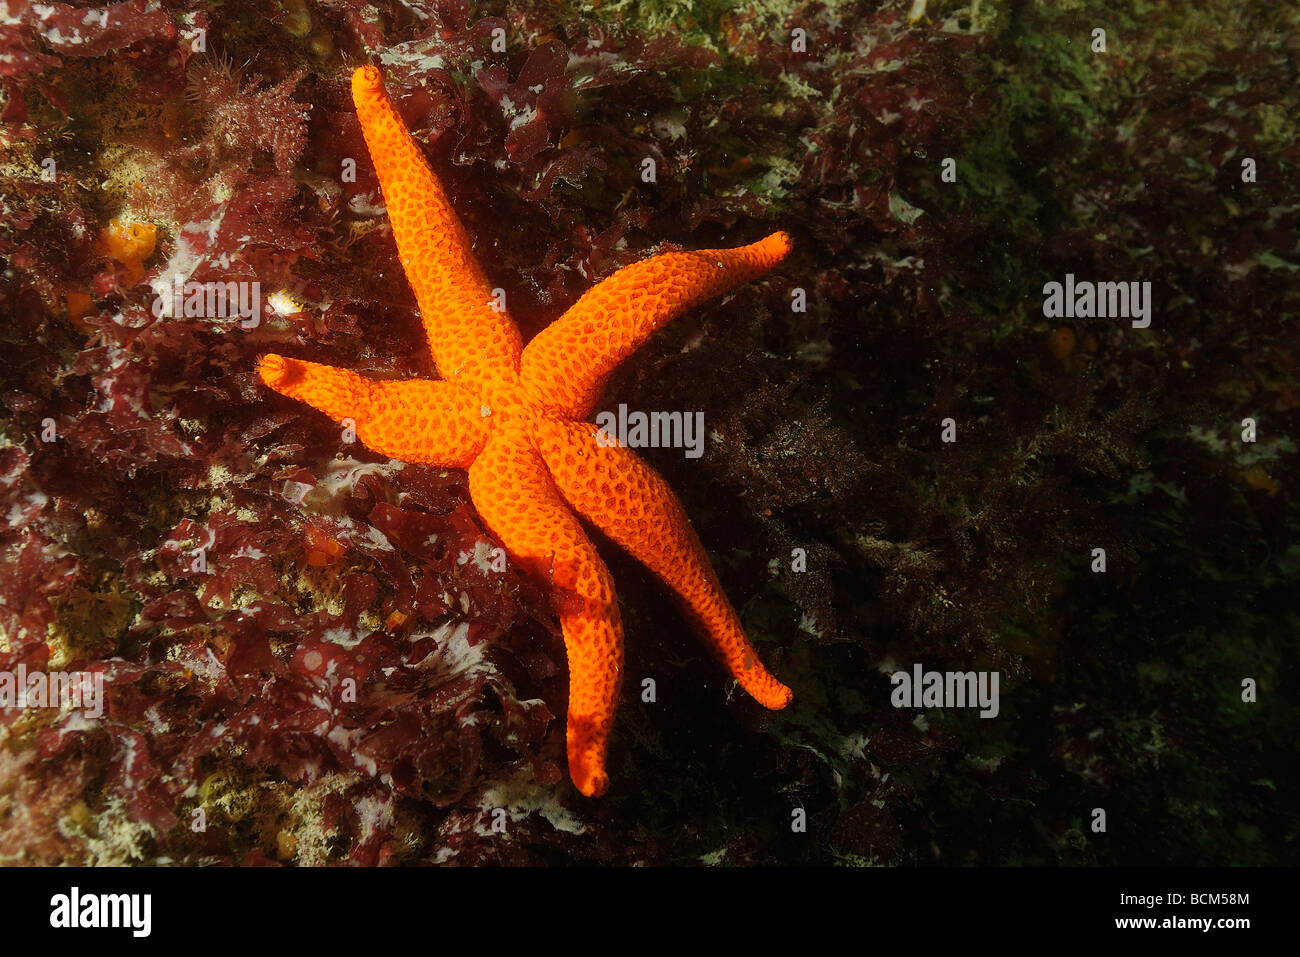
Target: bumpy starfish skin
512,417
469,339
565,367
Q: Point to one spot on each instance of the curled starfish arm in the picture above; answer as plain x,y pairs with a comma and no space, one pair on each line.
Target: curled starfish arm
516,498
431,422
629,502
565,366
467,336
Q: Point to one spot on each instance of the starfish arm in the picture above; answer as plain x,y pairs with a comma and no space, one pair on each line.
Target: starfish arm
566,365
467,336
629,502
429,422
516,498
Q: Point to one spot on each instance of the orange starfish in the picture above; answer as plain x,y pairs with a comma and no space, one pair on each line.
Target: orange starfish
514,418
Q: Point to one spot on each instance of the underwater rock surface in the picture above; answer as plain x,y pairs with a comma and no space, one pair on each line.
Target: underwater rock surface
308,655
